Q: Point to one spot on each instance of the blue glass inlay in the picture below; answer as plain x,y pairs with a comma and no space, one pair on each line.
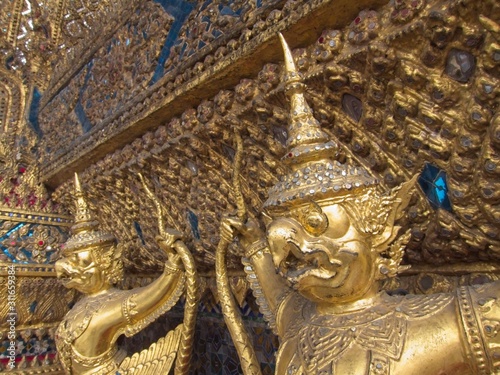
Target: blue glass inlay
23,254
33,306
8,62
138,229
180,10
216,33
79,110
27,254
49,255
226,11
33,112
432,180
5,250
14,229
205,5
82,117
193,220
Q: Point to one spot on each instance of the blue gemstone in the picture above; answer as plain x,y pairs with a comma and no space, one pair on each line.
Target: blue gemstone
138,229
193,220
432,180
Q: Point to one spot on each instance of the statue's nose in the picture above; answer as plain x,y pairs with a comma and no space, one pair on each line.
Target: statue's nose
60,270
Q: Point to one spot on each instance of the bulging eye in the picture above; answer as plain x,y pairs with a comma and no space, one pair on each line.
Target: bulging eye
314,220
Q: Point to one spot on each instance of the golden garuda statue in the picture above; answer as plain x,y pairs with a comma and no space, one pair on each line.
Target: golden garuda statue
331,238
86,338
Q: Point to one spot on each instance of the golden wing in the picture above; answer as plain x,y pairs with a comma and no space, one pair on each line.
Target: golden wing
157,359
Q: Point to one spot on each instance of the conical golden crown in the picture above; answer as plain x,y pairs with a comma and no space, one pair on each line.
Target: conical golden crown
85,230
315,172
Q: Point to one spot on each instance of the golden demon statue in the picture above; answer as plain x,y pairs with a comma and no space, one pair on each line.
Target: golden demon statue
86,338
316,272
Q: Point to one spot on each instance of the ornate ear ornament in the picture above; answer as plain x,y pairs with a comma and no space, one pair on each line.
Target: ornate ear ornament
389,263
85,230
313,219
115,270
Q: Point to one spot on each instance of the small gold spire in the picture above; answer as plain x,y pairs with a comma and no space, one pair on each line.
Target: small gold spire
85,231
303,128
289,62
84,219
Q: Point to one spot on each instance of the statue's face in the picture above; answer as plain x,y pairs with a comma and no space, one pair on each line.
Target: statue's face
79,271
333,265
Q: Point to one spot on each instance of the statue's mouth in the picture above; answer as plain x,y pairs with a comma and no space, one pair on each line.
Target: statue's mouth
299,265
335,278
67,273
65,280
64,275
298,274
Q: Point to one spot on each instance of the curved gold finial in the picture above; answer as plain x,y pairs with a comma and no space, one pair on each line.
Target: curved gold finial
182,361
289,62
232,316
159,209
240,201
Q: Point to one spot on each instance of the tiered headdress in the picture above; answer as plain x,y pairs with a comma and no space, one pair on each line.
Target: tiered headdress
85,230
315,172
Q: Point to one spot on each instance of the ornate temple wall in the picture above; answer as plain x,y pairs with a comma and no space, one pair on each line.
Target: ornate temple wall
33,229
157,87
391,82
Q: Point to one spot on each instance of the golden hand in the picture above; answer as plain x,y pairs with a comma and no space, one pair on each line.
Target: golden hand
249,232
167,241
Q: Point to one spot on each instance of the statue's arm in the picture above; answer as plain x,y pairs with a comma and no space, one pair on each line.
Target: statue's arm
273,286
260,269
145,304
144,301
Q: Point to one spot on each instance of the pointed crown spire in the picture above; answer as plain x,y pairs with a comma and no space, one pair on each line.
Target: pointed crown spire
84,219
306,140
85,231
312,155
